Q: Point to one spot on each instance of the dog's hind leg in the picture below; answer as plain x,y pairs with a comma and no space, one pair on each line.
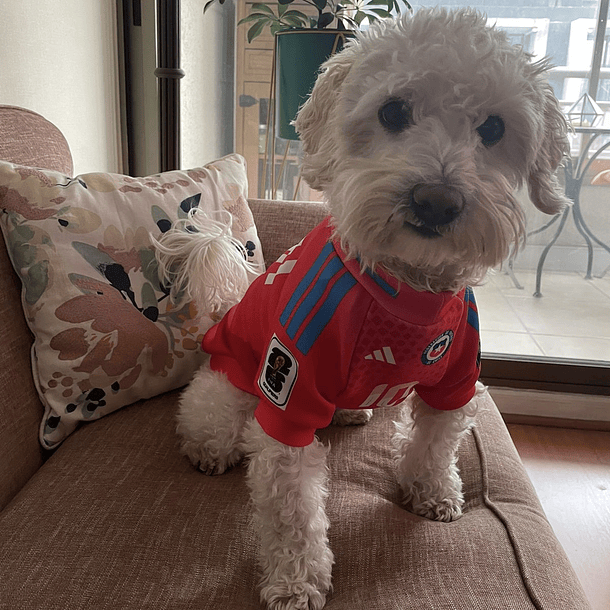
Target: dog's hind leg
288,489
426,443
211,418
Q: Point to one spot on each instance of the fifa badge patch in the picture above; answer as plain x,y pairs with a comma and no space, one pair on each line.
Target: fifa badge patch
278,374
438,348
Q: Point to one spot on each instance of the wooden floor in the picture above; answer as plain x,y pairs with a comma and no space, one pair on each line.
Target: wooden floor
570,470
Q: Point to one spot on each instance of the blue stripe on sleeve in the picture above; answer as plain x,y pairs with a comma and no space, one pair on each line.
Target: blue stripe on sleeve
305,283
308,304
473,316
382,284
324,315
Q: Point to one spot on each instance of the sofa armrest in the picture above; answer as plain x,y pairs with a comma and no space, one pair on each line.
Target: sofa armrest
282,224
20,408
26,138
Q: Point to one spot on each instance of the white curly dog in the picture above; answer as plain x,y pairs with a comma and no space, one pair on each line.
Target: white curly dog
418,133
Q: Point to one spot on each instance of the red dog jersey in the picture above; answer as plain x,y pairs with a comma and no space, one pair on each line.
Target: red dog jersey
315,334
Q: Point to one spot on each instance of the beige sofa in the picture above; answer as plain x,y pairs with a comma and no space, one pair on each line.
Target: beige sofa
116,518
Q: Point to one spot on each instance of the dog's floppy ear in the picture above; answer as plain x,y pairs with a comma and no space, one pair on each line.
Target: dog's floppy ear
314,123
545,192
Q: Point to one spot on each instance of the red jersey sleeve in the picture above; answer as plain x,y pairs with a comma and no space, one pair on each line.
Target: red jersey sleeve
302,371
292,405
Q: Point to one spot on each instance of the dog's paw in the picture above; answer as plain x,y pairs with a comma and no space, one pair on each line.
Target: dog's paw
352,417
297,580
435,500
293,596
210,462
445,510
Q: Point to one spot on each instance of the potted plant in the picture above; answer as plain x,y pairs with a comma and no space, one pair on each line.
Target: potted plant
303,42
345,15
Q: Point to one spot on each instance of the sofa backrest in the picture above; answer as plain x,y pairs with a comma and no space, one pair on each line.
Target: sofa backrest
28,139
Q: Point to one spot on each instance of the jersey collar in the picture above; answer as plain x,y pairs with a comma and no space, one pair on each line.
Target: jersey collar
418,307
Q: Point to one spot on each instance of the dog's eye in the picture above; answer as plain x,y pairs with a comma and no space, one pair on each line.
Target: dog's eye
395,115
492,130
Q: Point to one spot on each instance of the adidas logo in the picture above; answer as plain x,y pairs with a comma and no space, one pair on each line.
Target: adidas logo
382,355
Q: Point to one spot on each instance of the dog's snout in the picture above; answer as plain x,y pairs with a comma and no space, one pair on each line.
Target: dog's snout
436,205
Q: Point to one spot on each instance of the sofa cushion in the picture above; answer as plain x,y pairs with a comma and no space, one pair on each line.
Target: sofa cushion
118,519
105,333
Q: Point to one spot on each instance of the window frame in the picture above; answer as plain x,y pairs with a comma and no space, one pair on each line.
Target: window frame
540,373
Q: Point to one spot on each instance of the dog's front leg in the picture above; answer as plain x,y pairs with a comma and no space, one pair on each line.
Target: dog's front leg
288,489
211,417
425,444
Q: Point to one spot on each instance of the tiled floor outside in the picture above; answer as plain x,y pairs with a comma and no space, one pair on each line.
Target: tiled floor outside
570,320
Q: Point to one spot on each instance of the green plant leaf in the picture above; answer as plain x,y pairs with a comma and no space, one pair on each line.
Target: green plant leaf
263,8
285,1
359,17
394,5
325,19
320,4
380,12
293,22
255,17
295,14
256,30
347,23
295,19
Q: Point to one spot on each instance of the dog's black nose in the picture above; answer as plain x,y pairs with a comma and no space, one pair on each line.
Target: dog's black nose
436,205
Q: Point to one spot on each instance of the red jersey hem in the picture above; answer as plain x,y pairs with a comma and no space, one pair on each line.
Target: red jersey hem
275,429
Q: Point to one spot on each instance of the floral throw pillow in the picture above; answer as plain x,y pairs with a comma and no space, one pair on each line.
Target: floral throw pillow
106,333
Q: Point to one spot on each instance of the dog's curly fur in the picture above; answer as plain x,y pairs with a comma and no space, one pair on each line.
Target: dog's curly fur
454,72
419,132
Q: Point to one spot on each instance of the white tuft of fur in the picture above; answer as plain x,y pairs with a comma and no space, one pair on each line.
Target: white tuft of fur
202,261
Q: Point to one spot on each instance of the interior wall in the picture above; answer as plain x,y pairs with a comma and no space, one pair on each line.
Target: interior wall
59,58
206,95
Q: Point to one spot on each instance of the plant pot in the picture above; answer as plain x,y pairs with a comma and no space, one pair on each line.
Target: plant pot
299,55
